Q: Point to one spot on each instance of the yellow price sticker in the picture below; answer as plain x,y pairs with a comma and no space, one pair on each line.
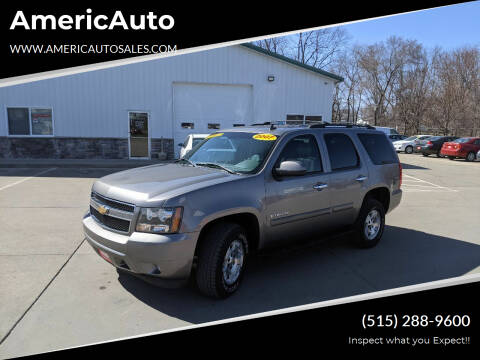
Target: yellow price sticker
265,137
214,135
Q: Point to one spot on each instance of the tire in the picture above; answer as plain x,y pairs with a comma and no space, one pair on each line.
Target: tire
409,149
451,157
438,154
211,278
425,154
470,156
362,238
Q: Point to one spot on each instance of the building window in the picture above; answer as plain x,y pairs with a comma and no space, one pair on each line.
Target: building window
214,126
238,125
312,119
188,125
30,121
295,119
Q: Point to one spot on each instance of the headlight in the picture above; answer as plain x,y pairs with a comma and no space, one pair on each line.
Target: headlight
159,220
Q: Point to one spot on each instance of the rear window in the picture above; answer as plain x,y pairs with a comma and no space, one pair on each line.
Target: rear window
462,140
378,148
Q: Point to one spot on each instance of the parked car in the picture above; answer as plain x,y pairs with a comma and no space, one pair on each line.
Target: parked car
407,145
397,137
464,148
203,215
387,130
433,145
190,142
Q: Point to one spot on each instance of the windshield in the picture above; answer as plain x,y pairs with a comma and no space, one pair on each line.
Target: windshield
196,141
461,140
410,138
238,152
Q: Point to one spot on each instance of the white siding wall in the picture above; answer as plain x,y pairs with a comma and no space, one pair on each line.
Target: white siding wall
96,103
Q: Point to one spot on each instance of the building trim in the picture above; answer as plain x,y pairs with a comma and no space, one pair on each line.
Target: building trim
337,78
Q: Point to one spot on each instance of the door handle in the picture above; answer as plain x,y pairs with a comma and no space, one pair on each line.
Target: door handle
320,187
361,178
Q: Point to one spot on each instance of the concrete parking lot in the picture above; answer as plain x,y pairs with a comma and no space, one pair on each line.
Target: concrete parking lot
55,292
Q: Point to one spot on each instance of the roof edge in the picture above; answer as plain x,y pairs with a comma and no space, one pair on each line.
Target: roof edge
291,61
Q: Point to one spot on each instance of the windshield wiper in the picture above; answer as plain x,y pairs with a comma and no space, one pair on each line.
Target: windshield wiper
217,166
186,160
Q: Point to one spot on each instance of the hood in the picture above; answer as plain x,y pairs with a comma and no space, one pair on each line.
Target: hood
146,184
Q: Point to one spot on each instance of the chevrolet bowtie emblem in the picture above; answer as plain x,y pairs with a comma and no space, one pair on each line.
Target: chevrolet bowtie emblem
103,209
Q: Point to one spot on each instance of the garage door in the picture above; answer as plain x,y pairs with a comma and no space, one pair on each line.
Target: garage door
201,108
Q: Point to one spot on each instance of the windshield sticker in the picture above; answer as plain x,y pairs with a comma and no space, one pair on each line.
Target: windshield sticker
214,135
265,137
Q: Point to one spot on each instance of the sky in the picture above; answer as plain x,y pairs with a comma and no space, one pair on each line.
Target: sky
448,27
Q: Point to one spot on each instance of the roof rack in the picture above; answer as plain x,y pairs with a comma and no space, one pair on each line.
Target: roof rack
262,124
346,125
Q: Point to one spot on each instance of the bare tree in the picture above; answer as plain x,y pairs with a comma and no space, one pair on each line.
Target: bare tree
276,45
412,90
382,63
348,94
318,48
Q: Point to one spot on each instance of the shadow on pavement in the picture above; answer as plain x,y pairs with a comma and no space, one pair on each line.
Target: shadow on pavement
319,271
406,166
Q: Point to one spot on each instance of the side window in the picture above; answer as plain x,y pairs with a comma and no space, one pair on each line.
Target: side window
341,151
303,149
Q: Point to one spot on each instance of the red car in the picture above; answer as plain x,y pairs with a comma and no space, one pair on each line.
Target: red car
465,148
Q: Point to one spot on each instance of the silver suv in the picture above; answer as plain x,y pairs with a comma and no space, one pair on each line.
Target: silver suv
238,191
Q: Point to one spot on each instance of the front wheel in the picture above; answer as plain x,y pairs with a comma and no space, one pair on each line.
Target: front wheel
409,149
221,260
470,156
425,154
370,223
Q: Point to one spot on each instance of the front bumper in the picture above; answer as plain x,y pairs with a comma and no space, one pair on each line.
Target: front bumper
399,148
162,259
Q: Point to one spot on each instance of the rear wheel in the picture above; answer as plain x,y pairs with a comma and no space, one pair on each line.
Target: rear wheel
221,260
438,154
470,156
409,149
370,223
425,154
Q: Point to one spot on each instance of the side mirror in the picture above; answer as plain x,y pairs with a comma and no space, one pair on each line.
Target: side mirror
290,168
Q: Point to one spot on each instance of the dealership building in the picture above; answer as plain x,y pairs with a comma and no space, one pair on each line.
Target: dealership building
145,109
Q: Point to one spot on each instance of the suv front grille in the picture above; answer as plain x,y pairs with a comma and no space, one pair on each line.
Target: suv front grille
111,213
112,203
110,221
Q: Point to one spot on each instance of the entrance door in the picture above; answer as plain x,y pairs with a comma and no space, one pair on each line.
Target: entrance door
139,140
